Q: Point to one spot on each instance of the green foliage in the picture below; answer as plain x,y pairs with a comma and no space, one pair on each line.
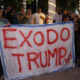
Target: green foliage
71,4
18,5
29,1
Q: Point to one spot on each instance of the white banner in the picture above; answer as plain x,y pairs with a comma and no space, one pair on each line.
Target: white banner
33,50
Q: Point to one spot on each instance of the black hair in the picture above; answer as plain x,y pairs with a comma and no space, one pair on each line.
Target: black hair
39,7
21,6
0,7
11,11
28,8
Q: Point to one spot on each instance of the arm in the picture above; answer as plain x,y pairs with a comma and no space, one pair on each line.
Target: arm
20,17
42,16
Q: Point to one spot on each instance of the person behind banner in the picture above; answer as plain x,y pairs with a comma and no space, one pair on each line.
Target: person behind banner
6,11
57,18
21,16
12,16
68,14
3,21
39,17
29,16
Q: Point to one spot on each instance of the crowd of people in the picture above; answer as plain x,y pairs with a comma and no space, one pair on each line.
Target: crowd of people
10,16
67,16
22,17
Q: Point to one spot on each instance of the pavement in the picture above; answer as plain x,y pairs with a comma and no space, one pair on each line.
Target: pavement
71,74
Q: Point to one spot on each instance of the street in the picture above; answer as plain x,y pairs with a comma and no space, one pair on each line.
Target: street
71,74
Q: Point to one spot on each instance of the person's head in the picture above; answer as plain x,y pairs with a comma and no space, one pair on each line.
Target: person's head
70,11
1,12
58,10
12,11
22,9
8,8
29,11
66,18
65,11
39,10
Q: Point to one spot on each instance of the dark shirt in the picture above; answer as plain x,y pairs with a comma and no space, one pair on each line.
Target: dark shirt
12,19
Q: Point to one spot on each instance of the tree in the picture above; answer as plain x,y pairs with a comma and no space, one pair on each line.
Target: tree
73,4
16,3
29,1
70,4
